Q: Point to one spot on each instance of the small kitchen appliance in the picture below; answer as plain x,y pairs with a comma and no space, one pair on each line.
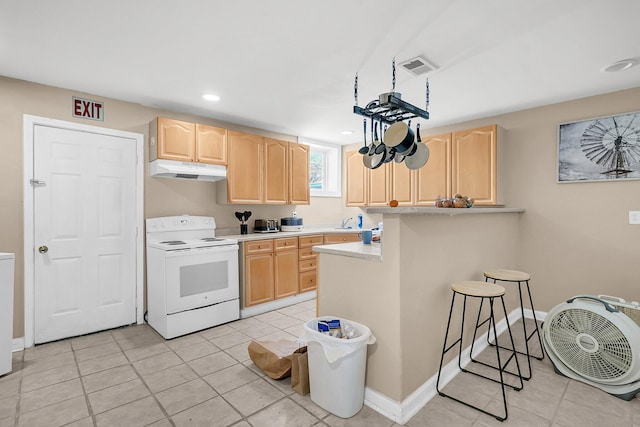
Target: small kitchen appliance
192,276
291,224
265,226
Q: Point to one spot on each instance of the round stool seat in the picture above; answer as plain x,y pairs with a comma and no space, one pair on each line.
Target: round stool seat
507,275
475,288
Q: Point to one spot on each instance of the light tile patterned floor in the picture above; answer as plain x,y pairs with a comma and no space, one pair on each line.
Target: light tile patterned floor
133,377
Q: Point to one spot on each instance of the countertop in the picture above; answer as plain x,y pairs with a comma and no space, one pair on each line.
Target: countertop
282,234
428,210
371,252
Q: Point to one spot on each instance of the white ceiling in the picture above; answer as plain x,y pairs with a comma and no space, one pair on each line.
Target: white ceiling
289,65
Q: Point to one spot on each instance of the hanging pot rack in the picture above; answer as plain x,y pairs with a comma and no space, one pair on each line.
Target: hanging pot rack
389,109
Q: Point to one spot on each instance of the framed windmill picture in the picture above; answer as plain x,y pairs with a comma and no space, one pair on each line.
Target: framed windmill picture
600,149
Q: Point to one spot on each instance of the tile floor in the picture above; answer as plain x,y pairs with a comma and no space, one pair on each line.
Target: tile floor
132,376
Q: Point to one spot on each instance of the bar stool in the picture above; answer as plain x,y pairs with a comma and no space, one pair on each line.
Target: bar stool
482,290
519,277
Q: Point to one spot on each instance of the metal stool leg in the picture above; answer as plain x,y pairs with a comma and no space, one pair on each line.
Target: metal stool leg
481,323
527,336
537,328
444,346
501,366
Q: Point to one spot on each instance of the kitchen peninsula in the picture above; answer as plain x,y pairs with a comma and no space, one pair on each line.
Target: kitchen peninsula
404,294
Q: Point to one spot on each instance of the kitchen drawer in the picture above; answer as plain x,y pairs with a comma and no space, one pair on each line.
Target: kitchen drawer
341,238
308,280
307,253
308,264
308,241
258,247
288,243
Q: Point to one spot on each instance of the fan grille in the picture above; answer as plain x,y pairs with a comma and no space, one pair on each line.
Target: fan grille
590,344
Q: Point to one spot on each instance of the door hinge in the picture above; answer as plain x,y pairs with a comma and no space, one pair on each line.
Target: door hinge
37,183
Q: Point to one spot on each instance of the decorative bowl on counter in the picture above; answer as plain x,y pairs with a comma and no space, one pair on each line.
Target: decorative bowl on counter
457,201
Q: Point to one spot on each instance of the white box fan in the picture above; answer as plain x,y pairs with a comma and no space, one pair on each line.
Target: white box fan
589,339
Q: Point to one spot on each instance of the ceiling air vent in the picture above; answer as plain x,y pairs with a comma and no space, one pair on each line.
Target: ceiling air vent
417,66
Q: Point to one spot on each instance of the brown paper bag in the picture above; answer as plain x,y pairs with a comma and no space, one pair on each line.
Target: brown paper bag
300,371
273,357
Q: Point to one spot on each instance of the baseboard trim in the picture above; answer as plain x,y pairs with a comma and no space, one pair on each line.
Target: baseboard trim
401,412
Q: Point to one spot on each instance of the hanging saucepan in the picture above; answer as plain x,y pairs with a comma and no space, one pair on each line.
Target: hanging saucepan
400,136
419,158
411,151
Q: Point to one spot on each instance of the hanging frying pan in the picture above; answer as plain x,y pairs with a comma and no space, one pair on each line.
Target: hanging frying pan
419,158
377,159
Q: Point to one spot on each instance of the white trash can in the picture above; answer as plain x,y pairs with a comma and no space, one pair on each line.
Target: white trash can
337,367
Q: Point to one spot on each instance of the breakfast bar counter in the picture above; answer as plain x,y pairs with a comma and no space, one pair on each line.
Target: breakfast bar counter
371,252
404,297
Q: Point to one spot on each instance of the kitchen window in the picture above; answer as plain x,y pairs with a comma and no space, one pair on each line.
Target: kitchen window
324,169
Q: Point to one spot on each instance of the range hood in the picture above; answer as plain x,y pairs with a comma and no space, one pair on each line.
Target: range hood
187,170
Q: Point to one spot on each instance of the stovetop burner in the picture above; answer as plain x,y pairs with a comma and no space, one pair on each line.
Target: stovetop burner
211,239
173,242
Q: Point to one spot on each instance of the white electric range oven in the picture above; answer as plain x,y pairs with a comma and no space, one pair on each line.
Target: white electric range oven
192,276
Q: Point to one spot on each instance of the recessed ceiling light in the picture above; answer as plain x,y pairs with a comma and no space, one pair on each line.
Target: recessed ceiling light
346,132
211,97
621,65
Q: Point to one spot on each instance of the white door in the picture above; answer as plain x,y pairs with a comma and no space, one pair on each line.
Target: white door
84,232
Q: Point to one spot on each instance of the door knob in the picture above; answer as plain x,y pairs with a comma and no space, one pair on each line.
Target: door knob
43,249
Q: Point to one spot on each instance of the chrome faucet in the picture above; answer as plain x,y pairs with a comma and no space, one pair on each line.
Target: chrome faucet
345,222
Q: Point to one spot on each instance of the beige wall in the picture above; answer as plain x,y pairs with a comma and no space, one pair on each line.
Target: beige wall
161,196
575,238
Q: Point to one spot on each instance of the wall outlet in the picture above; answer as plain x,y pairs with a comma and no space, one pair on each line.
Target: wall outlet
634,217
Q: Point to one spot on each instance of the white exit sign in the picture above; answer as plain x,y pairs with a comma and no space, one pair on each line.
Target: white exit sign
88,109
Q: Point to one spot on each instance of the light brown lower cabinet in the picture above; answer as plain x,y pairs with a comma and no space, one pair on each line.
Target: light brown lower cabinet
341,238
286,267
308,261
279,268
258,272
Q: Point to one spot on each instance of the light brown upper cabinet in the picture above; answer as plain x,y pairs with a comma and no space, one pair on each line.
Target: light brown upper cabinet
244,171
402,184
366,187
298,174
276,187
175,139
266,171
474,167
464,162
187,142
379,185
433,180
357,179
211,144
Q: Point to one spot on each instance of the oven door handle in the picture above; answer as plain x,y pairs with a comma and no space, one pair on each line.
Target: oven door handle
204,250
